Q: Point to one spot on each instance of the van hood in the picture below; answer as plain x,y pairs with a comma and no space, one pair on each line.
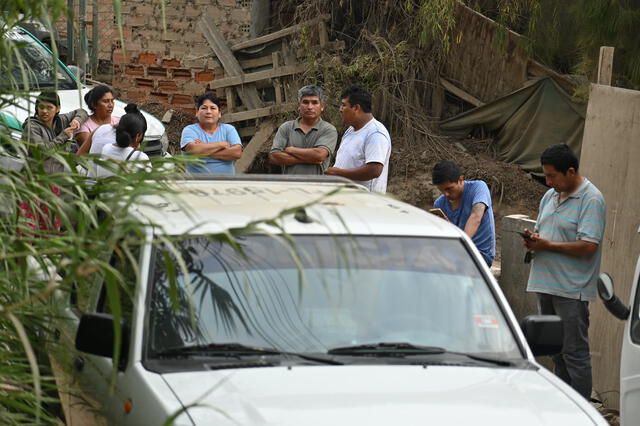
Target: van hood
74,99
379,395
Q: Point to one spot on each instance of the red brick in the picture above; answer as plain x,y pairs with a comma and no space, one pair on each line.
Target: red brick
159,97
156,72
182,100
147,58
204,76
134,70
171,63
167,86
135,96
119,57
182,73
144,82
122,82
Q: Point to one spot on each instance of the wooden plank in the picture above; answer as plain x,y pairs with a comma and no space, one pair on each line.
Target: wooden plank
258,75
276,83
262,136
605,65
323,35
248,94
258,113
231,97
450,87
295,29
246,131
256,63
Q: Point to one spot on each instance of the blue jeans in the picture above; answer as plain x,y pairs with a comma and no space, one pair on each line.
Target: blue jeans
573,365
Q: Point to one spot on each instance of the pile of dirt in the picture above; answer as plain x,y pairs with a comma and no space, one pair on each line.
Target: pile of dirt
179,120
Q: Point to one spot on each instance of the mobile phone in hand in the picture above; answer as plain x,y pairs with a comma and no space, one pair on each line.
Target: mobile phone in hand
439,212
523,235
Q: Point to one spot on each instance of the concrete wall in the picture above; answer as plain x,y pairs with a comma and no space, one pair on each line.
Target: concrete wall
610,158
514,272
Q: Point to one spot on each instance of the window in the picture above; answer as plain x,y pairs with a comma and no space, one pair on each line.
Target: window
339,291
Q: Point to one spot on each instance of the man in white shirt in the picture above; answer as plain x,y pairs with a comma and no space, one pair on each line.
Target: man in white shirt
365,147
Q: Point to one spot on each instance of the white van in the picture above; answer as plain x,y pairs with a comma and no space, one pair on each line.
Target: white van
354,309
42,76
630,357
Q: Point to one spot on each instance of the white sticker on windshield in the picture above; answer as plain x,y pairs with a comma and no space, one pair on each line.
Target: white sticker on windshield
485,321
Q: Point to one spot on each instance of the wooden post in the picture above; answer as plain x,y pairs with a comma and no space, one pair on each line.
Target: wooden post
605,65
323,35
230,99
276,82
262,136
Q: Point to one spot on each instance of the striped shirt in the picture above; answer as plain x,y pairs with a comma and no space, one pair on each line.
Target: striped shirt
580,217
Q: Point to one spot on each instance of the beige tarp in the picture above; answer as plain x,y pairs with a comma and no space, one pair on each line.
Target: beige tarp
525,122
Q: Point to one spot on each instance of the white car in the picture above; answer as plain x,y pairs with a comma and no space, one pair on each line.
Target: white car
41,75
630,356
356,309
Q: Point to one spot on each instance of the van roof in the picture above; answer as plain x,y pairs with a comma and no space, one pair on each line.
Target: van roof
213,204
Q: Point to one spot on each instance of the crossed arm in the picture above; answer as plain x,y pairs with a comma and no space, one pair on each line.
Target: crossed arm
292,156
363,173
219,150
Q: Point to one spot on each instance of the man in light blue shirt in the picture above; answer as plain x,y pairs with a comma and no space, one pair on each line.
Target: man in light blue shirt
567,243
218,143
467,205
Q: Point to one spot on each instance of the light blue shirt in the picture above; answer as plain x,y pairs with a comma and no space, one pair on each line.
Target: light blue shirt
581,216
224,132
475,191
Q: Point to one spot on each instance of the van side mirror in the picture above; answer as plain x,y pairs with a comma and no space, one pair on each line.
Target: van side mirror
96,336
543,333
609,298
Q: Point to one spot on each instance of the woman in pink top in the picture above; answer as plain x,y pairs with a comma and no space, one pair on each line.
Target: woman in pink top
100,101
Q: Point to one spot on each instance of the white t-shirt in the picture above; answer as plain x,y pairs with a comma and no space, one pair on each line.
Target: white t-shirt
370,144
117,153
104,135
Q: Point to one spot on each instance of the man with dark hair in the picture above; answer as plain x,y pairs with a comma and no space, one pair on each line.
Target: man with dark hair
218,142
304,146
365,147
467,205
566,246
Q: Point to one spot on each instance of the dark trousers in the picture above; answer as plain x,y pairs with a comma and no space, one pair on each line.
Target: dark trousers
573,365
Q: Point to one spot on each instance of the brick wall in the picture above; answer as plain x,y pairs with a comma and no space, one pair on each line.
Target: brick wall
172,67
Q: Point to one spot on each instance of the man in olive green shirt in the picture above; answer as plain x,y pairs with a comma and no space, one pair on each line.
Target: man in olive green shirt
304,146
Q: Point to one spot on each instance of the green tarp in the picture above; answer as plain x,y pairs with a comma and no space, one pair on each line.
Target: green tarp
524,123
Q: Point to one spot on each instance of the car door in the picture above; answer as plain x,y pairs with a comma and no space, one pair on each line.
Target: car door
95,390
630,362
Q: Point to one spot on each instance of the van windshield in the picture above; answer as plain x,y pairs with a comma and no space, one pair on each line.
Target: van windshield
325,292
37,65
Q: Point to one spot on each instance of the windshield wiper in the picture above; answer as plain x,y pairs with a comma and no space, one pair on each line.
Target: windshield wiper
403,349
238,350
387,348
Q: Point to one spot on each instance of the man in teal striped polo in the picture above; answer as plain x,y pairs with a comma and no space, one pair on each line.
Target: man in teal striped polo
566,246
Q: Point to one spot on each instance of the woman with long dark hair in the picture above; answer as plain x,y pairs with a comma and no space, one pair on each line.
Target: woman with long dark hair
126,137
100,101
